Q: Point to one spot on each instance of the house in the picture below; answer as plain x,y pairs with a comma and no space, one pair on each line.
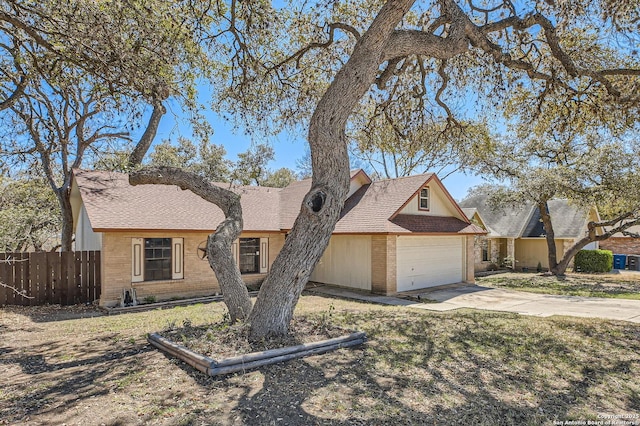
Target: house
393,235
620,243
516,232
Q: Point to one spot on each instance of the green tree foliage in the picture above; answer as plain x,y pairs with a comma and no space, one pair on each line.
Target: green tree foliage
79,76
251,167
401,148
114,160
207,160
280,178
29,215
589,169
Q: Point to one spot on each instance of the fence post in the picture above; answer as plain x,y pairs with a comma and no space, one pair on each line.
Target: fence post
37,275
3,290
97,281
22,278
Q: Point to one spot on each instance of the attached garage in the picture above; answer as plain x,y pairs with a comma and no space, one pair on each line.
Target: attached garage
424,262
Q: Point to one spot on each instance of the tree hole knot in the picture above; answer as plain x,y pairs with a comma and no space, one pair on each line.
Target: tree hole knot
316,201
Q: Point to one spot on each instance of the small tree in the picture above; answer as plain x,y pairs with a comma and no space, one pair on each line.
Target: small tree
29,216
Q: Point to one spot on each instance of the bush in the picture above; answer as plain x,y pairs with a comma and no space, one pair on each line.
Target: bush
594,261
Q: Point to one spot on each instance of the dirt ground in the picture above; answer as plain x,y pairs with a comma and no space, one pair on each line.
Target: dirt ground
73,365
76,366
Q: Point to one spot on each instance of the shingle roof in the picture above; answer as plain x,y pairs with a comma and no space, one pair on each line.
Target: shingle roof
290,201
469,211
524,221
113,204
503,222
435,224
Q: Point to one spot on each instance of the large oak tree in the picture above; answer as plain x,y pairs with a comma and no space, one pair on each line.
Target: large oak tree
309,66
317,63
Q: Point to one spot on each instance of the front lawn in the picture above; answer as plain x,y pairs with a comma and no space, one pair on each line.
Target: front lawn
611,285
459,368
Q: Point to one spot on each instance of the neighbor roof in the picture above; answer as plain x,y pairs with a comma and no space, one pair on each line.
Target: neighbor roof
524,221
113,204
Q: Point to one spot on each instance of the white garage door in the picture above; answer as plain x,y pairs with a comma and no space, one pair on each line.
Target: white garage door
429,261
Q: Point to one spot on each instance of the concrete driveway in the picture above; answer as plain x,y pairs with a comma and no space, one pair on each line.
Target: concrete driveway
495,299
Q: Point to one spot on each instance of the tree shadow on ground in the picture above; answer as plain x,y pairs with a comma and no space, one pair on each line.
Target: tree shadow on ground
463,381
57,376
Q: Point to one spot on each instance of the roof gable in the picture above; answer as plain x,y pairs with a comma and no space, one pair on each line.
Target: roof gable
568,220
524,221
441,202
378,208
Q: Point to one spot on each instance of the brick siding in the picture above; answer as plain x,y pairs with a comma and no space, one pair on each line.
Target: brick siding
383,264
199,279
621,245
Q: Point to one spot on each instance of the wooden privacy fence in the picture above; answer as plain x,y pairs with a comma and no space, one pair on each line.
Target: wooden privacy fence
66,278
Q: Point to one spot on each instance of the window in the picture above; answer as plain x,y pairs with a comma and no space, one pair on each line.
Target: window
249,255
156,259
424,199
485,250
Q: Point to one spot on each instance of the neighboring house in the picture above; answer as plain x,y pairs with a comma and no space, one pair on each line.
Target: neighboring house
517,233
623,244
393,236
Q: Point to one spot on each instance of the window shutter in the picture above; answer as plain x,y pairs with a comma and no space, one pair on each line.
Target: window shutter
264,255
177,249
137,260
235,251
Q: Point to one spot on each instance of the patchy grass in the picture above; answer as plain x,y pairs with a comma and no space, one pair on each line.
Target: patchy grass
459,368
618,286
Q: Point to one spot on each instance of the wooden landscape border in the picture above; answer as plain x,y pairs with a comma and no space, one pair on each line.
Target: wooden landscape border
255,359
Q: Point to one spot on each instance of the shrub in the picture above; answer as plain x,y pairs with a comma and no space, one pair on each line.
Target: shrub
594,261
149,299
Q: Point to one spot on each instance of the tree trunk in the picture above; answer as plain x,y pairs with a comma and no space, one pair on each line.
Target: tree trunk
141,148
561,267
234,291
550,238
66,236
321,207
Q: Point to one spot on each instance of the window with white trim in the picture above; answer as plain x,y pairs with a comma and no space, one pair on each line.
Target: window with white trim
251,255
423,199
157,259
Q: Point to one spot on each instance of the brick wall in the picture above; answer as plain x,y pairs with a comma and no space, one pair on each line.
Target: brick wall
383,264
621,245
199,279
470,257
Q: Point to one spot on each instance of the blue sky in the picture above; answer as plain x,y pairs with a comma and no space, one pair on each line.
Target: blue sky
288,148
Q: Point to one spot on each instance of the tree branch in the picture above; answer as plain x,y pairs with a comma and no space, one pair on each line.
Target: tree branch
136,157
219,243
